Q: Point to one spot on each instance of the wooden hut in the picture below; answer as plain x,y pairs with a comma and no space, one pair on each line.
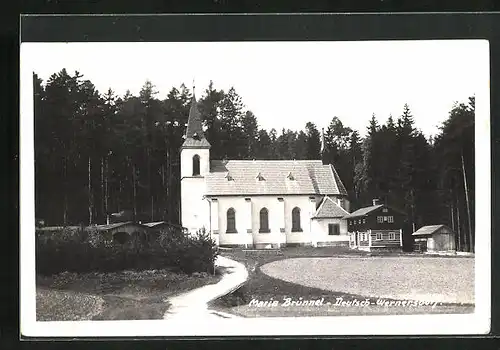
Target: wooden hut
122,232
434,239
377,227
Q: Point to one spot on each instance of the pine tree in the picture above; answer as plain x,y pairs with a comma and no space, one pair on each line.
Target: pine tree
313,142
250,135
209,107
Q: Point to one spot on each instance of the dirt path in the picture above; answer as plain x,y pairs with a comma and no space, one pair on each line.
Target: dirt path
193,304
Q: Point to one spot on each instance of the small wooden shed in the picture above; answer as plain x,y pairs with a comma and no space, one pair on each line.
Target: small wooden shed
434,238
122,232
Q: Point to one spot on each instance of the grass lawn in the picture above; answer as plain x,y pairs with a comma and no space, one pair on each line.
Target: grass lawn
328,295
124,295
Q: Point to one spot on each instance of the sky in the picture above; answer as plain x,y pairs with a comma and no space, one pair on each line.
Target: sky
286,84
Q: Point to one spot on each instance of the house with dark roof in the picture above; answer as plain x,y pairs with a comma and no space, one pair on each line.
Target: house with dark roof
376,227
434,239
259,203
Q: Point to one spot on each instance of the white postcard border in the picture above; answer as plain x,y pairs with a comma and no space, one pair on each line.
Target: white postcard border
476,323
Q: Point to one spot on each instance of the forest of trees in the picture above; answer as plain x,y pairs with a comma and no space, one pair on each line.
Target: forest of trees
98,153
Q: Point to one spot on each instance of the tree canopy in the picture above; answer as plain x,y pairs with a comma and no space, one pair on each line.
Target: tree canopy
99,153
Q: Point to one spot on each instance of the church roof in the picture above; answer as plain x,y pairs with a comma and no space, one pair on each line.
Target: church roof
329,209
308,177
194,130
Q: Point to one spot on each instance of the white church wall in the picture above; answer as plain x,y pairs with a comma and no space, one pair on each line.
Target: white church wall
247,214
240,206
307,207
279,214
194,209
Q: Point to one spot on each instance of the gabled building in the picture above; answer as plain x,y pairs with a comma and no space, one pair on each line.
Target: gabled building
258,203
434,239
377,227
328,225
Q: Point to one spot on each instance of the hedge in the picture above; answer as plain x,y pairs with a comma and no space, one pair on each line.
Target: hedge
86,250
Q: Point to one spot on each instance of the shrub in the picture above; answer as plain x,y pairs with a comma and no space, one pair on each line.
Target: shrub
85,250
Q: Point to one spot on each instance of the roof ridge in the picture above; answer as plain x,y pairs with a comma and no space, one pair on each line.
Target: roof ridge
336,204
323,200
337,180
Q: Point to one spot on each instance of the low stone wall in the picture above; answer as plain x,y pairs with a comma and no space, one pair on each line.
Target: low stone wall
333,244
267,246
303,244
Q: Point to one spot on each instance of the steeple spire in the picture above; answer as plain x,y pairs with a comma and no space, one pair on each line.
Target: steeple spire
194,130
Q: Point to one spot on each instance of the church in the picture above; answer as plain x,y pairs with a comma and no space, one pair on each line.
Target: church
259,203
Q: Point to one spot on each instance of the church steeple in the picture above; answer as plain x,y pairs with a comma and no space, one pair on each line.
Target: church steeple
195,138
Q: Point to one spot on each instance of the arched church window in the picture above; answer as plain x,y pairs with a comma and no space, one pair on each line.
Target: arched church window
231,221
264,220
296,220
196,165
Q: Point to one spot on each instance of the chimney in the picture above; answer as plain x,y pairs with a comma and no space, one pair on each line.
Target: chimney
375,201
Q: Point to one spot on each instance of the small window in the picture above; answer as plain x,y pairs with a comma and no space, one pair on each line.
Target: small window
296,220
380,219
378,236
333,229
390,219
364,221
392,236
264,221
231,221
384,210
196,165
